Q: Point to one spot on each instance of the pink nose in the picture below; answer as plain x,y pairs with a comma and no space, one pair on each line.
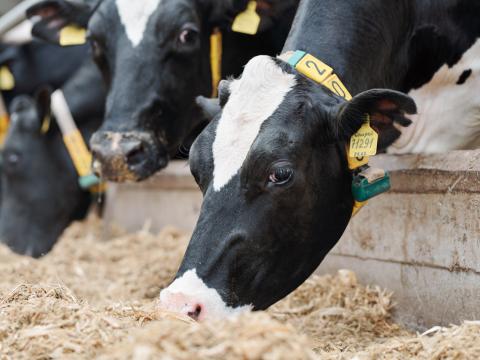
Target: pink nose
183,304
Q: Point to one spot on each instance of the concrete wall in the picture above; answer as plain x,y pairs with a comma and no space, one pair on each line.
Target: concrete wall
421,240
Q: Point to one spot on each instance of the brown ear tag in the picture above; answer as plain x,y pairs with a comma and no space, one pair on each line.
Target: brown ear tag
248,21
73,35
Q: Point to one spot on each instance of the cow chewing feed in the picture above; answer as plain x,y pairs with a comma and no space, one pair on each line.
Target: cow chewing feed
41,195
272,165
155,56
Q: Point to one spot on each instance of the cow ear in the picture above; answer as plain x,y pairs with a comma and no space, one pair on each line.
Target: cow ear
387,109
210,107
51,17
42,99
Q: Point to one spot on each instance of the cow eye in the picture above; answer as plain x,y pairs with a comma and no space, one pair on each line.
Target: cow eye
188,34
11,159
280,175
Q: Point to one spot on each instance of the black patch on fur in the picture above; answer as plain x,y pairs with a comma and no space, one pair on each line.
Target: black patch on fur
464,77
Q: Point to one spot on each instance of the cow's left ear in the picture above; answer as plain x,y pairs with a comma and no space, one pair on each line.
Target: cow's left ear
42,100
53,19
387,109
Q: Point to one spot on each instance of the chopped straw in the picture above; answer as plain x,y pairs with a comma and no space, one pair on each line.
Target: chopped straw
92,298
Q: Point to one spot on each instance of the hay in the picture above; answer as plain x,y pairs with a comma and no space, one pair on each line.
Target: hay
94,298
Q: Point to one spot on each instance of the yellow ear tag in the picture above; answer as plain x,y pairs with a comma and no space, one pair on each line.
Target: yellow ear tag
82,158
364,142
4,122
216,60
45,125
7,81
248,21
73,35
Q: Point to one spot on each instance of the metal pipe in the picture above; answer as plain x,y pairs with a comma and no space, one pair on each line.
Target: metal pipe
15,16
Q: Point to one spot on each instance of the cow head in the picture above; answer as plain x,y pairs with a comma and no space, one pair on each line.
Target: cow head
277,188
40,192
154,55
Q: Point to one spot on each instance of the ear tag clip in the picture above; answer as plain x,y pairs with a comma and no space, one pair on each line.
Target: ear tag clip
7,81
73,35
248,21
364,143
369,183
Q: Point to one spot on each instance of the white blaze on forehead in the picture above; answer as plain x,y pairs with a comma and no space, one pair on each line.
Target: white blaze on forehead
253,99
134,15
189,289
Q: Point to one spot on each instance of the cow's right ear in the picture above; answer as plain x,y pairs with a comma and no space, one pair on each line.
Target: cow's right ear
387,109
60,21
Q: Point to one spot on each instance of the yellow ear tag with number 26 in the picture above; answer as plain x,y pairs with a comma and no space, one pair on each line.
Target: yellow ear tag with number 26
72,35
248,21
364,142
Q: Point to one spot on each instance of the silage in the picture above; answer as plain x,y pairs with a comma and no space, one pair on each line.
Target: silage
94,298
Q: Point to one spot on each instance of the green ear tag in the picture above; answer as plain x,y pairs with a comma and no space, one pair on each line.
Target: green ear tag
370,183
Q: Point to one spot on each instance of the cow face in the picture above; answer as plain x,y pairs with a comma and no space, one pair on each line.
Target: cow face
277,189
40,195
155,56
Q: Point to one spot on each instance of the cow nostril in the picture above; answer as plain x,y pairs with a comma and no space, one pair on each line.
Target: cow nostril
136,155
195,314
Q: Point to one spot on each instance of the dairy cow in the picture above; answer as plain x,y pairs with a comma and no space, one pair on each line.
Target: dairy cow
41,195
155,55
36,64
273,166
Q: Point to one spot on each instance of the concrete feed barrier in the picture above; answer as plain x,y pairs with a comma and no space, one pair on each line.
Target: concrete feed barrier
421,240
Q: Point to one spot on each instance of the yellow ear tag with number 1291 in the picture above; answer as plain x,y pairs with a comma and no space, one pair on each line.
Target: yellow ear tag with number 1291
248,21
72,35
364,142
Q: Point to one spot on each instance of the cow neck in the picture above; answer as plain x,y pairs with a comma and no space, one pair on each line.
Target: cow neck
361,40
367,182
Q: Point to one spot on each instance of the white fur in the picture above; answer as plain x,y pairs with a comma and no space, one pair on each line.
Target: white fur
134,15
192,290
448,114
253,99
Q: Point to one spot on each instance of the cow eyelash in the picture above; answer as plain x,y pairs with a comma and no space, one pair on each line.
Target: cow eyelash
281,176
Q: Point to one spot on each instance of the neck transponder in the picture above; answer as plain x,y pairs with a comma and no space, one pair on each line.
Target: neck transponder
367,182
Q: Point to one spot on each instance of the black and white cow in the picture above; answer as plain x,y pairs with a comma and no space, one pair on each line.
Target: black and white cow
273,165
41,195
36,64
155,55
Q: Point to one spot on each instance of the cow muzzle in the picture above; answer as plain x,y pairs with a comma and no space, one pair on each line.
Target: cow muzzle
127,156
190,296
